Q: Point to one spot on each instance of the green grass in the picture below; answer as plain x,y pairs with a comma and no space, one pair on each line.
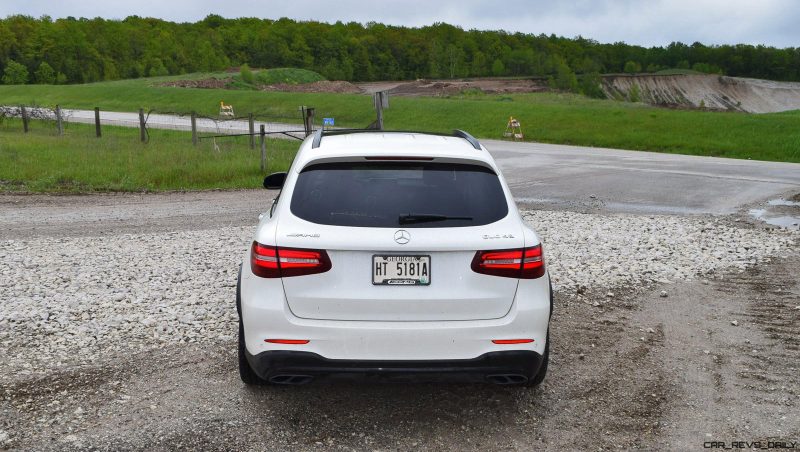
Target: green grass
545,117
290,76
42,161
266,76
287,75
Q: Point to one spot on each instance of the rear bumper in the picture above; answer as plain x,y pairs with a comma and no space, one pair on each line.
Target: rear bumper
266,315
280,366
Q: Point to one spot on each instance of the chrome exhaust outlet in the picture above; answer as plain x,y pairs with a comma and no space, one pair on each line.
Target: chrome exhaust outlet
286,379
507,379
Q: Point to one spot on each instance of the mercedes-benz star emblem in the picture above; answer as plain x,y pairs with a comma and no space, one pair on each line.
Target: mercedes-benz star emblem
402,236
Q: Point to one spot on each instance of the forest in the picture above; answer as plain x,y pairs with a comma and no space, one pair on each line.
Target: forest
80,50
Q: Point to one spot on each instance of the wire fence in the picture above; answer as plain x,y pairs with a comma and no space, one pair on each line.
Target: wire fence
224,132
200,126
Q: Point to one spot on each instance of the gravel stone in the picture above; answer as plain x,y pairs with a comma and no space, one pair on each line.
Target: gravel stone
73,299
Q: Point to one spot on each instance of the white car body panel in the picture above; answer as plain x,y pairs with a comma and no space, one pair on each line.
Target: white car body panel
346,292
344,316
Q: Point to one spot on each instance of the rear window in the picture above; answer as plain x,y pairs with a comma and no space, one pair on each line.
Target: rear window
372,194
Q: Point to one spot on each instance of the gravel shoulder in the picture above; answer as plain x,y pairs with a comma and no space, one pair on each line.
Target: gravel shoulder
668,331
31,215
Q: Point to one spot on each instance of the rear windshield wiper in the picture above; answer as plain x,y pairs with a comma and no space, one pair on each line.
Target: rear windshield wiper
426,217
355,214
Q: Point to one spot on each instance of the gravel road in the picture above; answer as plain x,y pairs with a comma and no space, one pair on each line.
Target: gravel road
165,121
669,331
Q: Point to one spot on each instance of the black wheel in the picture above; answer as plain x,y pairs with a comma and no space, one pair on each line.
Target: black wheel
245,371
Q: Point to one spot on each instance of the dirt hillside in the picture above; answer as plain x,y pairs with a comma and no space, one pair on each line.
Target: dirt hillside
713,91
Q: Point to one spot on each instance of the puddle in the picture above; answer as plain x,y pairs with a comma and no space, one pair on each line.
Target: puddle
783,202
776,214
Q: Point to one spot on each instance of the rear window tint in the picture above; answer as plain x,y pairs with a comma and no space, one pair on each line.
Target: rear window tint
372,194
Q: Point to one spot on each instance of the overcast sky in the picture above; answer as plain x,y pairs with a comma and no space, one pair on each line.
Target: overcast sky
644,22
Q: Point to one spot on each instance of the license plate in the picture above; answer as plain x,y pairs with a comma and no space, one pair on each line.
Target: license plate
388,270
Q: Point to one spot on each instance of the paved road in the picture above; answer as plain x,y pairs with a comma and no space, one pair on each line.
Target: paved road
635,181
584,178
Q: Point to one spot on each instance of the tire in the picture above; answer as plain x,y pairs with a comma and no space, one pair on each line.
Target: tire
245,371
539,377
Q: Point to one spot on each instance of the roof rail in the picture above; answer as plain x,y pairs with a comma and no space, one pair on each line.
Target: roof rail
330,132
317,140
468,137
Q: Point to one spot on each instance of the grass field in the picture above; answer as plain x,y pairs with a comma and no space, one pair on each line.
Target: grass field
42,161
286,75
545,117
261,77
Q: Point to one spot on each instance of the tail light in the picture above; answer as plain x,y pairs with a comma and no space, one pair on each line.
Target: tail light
524,263
287,341
511,341
277,262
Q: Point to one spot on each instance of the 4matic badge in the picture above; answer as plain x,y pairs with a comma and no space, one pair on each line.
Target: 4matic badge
299,234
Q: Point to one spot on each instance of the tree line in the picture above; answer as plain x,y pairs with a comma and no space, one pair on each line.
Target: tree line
84,50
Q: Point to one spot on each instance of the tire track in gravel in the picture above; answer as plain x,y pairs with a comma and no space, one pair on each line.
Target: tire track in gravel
191,397
731,354
632,373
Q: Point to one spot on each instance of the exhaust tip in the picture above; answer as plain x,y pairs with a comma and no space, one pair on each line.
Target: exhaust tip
507,379
285,379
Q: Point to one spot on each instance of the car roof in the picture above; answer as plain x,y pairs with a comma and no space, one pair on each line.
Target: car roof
345,146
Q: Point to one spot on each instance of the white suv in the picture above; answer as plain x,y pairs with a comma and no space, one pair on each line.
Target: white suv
394,254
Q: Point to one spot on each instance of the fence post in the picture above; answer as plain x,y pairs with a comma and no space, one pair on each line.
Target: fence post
142,132
381,101
194,128
97,122
263,137
24,118
309,121
58,121
380,116
252,131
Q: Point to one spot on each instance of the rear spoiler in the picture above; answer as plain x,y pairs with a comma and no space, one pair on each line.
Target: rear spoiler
320,133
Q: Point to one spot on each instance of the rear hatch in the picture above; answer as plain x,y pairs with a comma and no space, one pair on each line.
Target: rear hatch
401,238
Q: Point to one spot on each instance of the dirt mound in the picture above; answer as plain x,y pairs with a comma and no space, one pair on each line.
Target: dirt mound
323,86
713,92
208,83
426,88
455,87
